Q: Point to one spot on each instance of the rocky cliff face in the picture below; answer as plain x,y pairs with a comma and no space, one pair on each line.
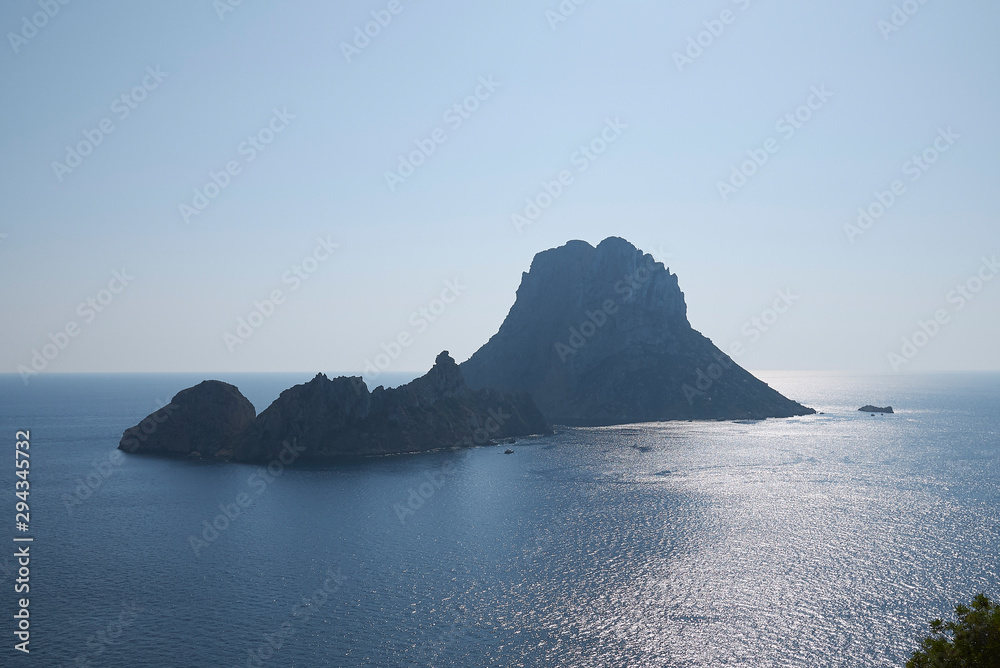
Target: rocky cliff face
327,419
601,336
206,420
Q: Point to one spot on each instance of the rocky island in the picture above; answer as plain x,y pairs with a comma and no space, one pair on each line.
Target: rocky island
600,336
875,409
327,419
596,336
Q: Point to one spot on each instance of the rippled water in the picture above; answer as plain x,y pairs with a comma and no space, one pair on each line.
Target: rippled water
827,540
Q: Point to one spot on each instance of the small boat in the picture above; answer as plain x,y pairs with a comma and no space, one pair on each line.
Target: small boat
508,451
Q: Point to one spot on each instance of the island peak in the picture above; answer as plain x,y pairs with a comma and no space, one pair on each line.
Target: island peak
600,335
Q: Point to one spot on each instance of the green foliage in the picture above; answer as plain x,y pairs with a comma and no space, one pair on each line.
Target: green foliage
972,641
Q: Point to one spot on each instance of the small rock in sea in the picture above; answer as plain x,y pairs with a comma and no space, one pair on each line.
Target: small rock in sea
508,451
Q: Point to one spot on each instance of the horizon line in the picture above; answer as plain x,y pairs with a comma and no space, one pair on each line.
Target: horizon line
422,372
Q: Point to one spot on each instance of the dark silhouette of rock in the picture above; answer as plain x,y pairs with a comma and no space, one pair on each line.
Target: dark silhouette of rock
601,336
204,420
329,419
875,409
339,417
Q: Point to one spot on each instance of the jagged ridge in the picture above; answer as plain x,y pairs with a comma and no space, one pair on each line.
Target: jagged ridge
333,418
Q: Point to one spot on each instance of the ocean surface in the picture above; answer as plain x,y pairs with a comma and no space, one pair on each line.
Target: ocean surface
828,540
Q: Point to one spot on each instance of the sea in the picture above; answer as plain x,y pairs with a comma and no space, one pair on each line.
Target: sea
826,540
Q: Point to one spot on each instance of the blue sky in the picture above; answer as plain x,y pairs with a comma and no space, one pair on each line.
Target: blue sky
226,77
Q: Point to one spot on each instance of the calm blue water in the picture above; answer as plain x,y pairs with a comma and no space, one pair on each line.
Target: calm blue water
827,540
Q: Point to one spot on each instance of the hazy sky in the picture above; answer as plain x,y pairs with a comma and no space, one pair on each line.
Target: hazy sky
309,130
